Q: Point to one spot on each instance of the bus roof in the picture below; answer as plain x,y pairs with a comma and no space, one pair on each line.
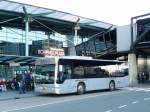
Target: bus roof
89,62
83,60
76,57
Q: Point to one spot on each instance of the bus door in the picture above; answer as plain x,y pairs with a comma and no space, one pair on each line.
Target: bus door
64,77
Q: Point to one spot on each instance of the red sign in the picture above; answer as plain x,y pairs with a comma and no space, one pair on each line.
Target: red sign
52,52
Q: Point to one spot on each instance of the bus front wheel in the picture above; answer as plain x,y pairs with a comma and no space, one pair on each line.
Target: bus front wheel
112,86
80,89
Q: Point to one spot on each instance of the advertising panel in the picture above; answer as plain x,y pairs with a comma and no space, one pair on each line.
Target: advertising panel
52,52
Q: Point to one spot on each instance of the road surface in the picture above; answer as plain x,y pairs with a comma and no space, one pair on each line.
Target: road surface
127,100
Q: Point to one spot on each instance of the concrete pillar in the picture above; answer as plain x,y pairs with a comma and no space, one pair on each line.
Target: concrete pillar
132,69
71,46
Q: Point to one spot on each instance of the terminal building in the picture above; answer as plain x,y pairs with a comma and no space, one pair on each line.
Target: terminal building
28,32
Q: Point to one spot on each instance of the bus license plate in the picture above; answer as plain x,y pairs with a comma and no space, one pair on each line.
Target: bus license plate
45,90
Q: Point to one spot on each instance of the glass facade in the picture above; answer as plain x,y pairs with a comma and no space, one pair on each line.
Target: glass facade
6,71
12,42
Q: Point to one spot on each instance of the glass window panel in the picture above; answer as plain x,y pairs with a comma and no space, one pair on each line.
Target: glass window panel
101,24
4,5
56,15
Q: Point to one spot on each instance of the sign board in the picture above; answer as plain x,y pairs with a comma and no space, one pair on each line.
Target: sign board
14,64
124,37
45,61
52,52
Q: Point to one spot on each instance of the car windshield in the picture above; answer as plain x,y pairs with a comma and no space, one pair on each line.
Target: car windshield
44,74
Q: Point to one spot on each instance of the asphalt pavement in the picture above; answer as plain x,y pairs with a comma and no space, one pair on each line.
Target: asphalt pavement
127,100
8,95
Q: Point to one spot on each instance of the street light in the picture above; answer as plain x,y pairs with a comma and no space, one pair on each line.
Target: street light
76,28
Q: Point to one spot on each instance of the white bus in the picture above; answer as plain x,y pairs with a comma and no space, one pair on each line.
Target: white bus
70,74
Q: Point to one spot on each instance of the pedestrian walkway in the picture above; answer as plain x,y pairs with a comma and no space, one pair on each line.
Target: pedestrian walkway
15,95
139,87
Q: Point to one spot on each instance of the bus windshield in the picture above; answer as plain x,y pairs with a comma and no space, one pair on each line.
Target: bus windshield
44,74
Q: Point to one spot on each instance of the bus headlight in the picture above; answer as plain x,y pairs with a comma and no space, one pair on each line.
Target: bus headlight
45,89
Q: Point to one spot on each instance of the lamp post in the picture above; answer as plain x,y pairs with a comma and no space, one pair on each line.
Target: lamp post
76,28
26,36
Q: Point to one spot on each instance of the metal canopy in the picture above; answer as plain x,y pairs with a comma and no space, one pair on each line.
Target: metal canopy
59,21
22,60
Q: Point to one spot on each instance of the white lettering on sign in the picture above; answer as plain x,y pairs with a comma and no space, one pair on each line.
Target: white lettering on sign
52,52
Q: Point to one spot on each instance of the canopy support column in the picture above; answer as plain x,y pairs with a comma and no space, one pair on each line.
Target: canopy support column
26,36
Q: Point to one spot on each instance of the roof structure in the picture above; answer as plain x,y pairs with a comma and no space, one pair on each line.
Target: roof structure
12,14
21,60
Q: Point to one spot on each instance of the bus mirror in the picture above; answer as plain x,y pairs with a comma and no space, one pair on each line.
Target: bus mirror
60,68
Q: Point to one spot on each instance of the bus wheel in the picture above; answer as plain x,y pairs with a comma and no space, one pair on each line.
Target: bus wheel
112,86
80,89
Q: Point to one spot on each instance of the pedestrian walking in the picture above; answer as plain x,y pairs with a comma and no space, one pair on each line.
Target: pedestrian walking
28,81
139,77
22,84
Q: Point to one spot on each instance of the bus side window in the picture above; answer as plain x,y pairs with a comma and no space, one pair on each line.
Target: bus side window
64,72
78,72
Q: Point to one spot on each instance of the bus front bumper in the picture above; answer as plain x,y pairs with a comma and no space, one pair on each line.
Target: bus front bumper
47,89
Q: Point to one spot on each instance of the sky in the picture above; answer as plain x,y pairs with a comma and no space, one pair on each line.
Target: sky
117,12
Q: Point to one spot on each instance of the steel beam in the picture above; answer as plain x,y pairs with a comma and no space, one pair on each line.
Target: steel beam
26,36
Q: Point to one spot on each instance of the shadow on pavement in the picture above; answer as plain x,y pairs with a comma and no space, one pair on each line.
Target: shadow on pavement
74,94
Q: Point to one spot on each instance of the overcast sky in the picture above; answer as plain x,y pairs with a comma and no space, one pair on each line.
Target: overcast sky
116,12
